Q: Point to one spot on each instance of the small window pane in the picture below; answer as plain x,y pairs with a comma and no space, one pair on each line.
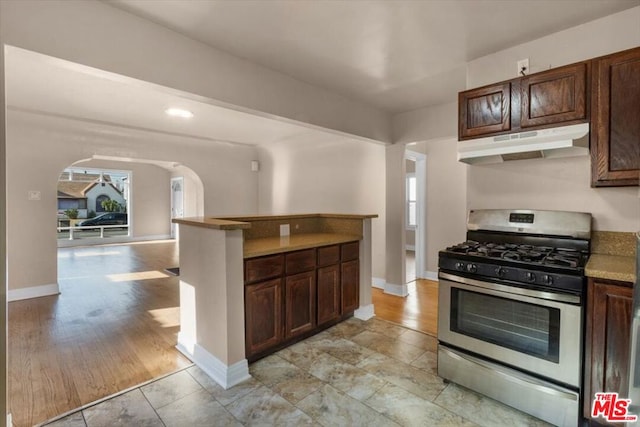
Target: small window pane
412,214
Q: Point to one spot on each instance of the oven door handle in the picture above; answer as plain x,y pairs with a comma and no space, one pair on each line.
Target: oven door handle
512,376
550,296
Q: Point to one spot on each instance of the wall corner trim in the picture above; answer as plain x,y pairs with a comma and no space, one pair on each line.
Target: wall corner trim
377,282
364,312
33,292
225,375
399,290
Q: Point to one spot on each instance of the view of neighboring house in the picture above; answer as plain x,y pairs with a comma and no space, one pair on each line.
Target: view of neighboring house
86,192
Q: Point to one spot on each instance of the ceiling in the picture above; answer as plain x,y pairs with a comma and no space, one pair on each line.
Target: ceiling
397,55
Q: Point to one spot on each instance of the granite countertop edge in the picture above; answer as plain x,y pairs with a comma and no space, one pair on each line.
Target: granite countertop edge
611,267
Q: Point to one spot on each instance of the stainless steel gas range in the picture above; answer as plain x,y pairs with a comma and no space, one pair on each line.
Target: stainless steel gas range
511,310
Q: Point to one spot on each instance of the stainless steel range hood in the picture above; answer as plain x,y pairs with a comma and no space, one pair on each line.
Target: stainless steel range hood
566,141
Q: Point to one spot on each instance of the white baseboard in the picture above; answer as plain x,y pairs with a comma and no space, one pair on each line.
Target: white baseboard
33,292
225,376
378,283
364,312
399,290
111,240
430,275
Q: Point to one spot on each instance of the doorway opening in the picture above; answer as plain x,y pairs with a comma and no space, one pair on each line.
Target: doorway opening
177,203
415,196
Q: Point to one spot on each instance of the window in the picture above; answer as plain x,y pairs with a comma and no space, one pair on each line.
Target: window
411,198
99,200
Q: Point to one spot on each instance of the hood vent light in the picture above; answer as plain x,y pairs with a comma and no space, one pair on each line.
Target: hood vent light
566,141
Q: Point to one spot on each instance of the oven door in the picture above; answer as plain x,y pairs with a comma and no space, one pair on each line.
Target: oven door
534,331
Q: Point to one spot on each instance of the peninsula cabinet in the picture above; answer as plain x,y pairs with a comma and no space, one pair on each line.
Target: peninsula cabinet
550,98
294,295
615,124
609,312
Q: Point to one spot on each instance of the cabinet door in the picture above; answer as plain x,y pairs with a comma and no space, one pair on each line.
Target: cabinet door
615,128
608,338
263,316
300,303
484,111
555,96
350,281
328,293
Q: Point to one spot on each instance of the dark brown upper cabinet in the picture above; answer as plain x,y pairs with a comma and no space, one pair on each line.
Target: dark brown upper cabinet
554,96
541,100
484,110
615,124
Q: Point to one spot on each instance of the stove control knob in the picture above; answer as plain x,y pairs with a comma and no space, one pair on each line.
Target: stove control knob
547,279
529,276
459,266
472,268
501,272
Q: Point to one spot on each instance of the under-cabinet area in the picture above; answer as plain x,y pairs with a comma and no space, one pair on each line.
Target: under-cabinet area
296,294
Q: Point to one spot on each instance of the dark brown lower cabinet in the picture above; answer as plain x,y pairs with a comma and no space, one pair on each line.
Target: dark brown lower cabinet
609,312
350,280
294,295
263,315
300,303
329,292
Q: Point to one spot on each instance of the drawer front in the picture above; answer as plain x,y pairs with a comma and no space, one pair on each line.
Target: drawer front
350,251
328,255
297,262
256,269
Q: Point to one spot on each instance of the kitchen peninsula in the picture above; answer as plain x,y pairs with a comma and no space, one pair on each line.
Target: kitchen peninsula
252,284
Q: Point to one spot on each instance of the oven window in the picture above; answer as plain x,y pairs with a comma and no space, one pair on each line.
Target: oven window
524,327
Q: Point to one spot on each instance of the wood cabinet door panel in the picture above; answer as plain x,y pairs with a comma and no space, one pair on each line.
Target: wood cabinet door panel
300,303
263,268
484,111
328,293
350,282
299,261
555,96
263,316
608,338
615,131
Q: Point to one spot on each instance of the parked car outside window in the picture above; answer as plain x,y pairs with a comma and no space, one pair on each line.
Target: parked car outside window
109,218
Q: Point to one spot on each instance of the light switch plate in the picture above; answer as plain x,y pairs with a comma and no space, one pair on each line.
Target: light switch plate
33,195
284,229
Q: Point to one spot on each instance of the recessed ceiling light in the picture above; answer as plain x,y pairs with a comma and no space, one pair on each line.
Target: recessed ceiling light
179,112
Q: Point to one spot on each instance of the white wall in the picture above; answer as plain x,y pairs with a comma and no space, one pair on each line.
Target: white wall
326,176
3,246
40,147
446,210
562,184
96,34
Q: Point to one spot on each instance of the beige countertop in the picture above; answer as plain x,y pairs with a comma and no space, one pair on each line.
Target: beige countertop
215,223
612,267
297,216
294,242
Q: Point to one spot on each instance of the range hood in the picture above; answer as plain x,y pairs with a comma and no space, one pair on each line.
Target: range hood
565,141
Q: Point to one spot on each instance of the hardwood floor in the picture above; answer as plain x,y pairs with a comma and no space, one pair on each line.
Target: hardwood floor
113,326
419,310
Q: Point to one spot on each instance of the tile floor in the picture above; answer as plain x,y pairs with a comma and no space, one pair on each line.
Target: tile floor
356,373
